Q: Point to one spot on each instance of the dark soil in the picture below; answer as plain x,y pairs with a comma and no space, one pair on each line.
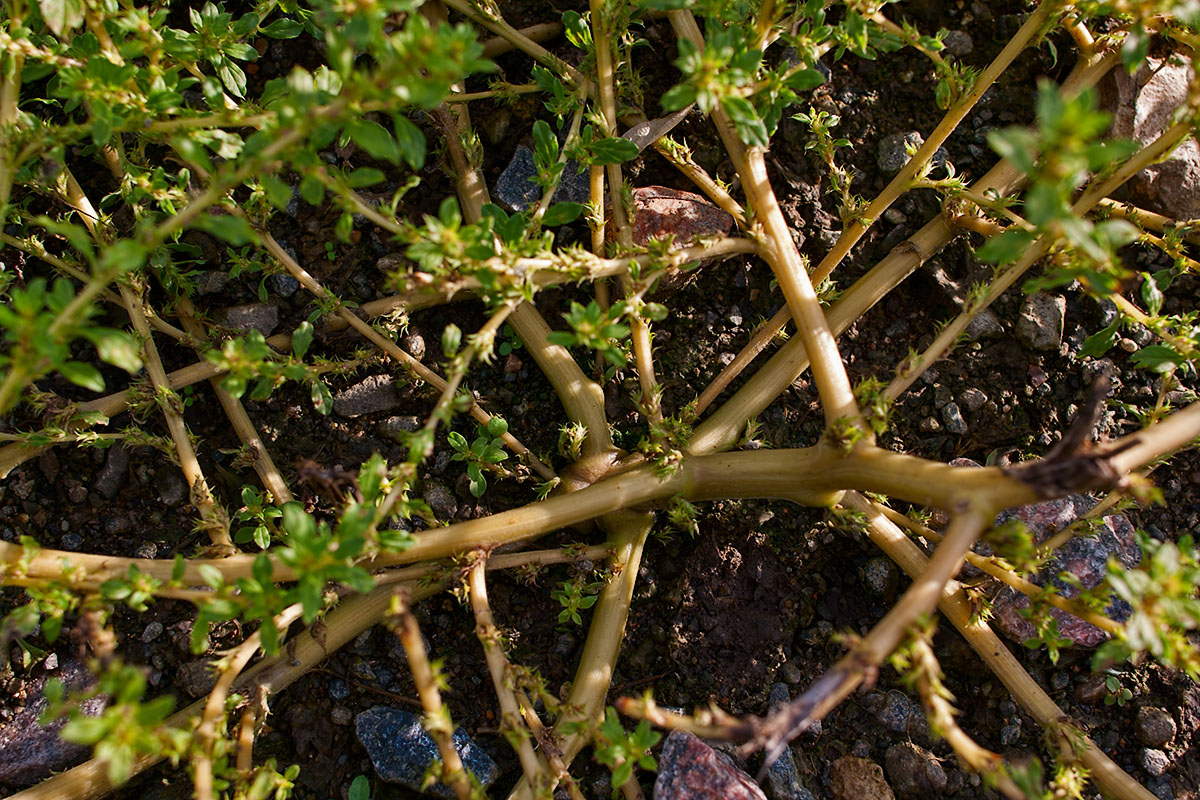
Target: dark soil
756,598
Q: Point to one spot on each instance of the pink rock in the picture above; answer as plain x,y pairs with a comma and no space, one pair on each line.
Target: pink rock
1143,105
1085,557
688,769
666,212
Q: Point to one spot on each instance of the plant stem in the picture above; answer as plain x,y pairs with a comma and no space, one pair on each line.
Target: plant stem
213,716
866,654
89,780
437,717
238,418
1001,572
510,714
1110,778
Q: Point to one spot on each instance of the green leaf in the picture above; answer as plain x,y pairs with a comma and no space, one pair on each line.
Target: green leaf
84,375
410,140
1005,248
61,16
278,193
370,477
360,788
804,80
1100,342
312,190
477,482
322,398
374,138
612,151
211,576
1158,357
123,256
301,338
1152,296
364,176
678,97
545,148
561,214
116,347
297,522
234,230
750,127
283,29
1018,145
232,76
451,340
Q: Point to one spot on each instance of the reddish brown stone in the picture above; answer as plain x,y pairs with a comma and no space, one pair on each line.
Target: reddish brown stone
856,778
1086,557
670,212
688,769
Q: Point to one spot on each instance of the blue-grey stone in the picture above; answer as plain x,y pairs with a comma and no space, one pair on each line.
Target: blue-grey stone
516,191
893,151
338,690
899,714
1155,762
282,285
401,751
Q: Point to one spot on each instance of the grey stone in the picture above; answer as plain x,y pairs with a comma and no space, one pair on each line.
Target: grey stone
899,714
689,769
211,282
282,285
880,575
372,395
913,771
196,678
985,325
958,43
340,715
495,125
152,631
338,690
1154,726
953,418
1009,735
783,778
1040,324
172,488
401,751
516,191
248,317
395,427
114,473
1143,105
1155,762
30,752
441,500
893,151
414,343
972,398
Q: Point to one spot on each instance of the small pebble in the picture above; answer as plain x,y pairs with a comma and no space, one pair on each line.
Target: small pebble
953,418
1154,726
152,632
1155,762
282,285
973,399
1009,735
401,751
